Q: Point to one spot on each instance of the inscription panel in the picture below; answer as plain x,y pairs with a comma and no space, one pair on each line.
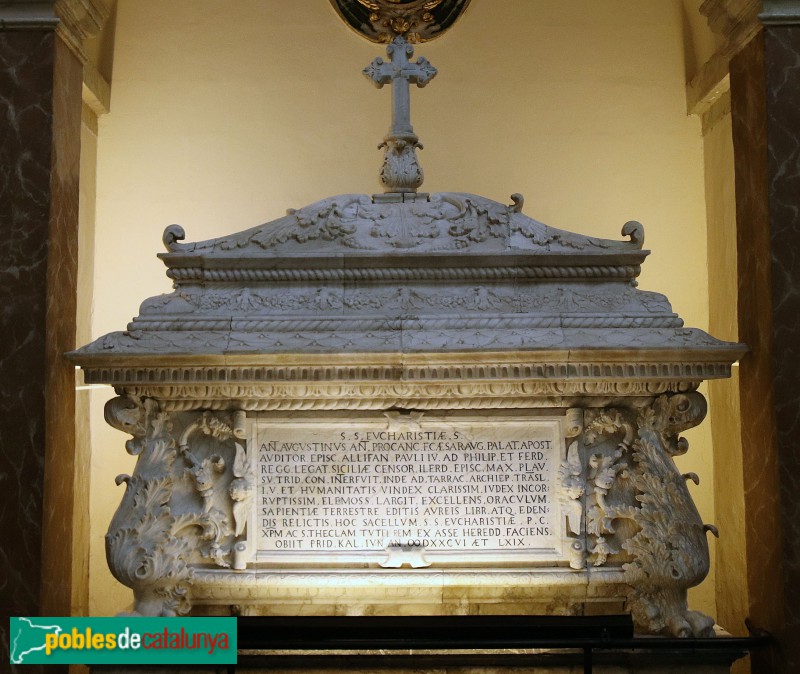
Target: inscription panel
455,490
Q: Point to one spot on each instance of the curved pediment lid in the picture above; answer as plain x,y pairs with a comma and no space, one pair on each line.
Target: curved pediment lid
452,275
449,273
454,228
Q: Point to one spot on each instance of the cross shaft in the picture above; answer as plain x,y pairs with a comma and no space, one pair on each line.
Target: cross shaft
402,73
401,171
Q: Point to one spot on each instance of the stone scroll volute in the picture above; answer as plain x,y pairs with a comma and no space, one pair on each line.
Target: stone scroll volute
182,507
640,512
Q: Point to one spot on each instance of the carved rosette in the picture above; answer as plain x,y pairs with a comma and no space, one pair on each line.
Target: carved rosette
182,507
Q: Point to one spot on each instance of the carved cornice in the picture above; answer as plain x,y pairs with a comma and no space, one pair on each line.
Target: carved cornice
488,383
469,274
780,13
411,370
729,18
79,21
736,21
354,396
74,21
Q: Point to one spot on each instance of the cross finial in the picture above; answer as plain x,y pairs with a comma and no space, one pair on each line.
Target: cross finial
400,172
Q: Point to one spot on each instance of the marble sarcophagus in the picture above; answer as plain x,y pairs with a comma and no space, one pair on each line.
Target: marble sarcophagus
436,405
408,404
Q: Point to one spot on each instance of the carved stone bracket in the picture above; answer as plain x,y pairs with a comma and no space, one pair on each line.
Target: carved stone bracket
143,545
670,551
667,549
161,531
638,503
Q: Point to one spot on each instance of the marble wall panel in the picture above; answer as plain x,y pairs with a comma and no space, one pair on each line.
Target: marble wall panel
765,86
782,52
762,527
26,76
66,511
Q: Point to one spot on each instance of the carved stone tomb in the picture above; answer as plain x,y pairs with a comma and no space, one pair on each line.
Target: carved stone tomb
408,404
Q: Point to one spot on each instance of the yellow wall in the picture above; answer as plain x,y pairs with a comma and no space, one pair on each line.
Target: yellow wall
732,592
224,114
699,43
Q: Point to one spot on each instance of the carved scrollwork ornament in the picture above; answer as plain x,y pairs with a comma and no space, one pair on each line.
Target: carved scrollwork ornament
669,551
161,531
665,539
143,545
416,20
572,484
132,415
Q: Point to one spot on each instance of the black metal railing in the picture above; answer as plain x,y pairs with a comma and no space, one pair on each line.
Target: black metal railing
465,641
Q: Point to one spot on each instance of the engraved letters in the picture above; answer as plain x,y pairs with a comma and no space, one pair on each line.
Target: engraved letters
449,488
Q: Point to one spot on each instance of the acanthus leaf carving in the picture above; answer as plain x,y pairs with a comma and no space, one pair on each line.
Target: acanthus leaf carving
419,223
158,533
479,221
145,545
668,551
399,231
401,171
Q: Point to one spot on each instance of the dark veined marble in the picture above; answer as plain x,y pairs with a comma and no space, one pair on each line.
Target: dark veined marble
782,52
26,76
760,476
765,104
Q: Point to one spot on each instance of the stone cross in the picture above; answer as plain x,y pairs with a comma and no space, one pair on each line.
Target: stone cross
401,171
